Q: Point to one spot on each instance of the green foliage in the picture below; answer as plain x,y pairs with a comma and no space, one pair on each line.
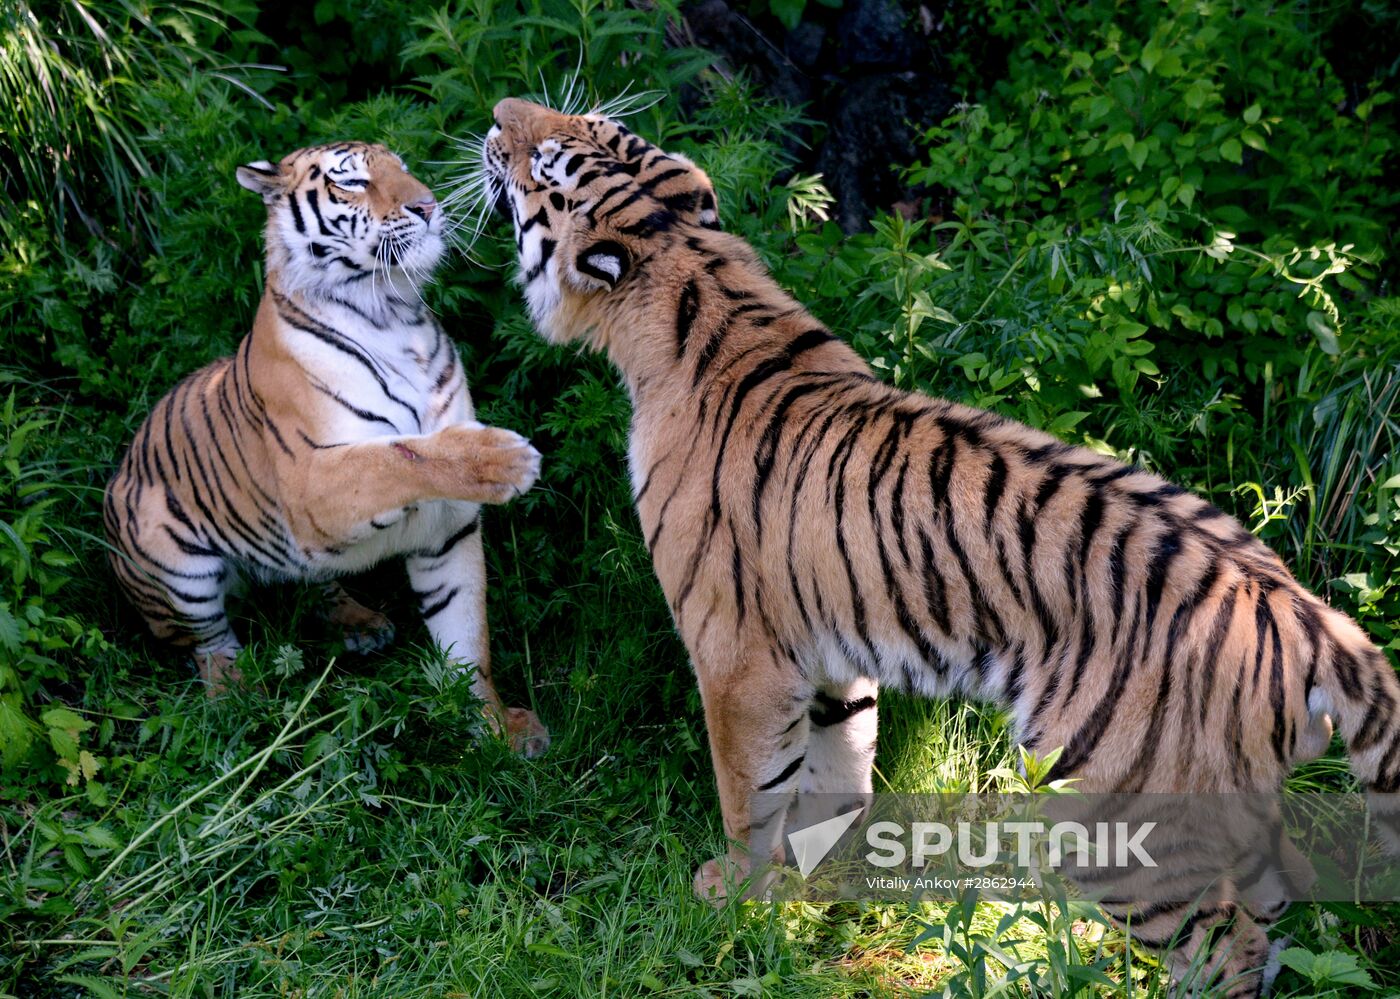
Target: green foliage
1329,972
1225,109
71,77
1164,166
39,642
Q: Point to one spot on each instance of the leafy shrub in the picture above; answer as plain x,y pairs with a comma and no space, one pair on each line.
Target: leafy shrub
1228,110
39,642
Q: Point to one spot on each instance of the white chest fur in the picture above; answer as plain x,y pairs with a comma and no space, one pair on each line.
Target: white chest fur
386,374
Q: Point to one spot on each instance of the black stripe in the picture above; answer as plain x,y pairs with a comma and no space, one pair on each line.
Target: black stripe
935,590
297,220
686,310
996,484
311,202
1090,518
451,542
363,414
440,605
1083,743
766,450
1168,547
788,771
1224,614
827,711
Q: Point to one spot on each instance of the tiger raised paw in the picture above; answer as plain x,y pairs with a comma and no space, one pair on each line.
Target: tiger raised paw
340,434
819,534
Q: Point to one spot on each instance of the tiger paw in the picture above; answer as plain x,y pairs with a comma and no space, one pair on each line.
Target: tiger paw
218,671
526,733
714,881
369,637
362,629
497,465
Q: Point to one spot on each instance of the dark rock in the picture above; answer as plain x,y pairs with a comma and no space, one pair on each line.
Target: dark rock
804,46
718,27
875,34
872,130
866,72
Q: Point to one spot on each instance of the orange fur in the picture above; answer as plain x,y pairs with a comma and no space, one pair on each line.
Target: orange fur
341,433
818,533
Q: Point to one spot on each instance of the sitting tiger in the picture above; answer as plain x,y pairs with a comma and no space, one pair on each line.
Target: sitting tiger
341,433
819,534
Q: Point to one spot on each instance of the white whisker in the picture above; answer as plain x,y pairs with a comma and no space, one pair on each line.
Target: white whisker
625,104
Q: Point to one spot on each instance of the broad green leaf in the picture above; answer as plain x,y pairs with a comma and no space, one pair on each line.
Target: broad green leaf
101,837
16,730
65,719
10,634
101,988
1325,334
789,12
1331,967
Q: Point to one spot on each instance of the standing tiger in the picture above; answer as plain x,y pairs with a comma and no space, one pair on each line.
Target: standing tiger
819,534
341,433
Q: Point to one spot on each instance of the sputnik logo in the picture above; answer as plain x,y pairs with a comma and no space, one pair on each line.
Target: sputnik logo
811,845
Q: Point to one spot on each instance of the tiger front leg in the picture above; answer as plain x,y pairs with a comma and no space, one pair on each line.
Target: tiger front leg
450,584
340,494
756,716
837,773
841,747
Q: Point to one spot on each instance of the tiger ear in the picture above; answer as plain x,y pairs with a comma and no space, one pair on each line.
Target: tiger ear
709,211
262,178
605,262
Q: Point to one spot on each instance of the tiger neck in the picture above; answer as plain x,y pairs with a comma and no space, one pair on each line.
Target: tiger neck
713,320
383,308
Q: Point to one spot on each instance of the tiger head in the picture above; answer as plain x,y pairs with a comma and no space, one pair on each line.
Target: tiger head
587,197
346,218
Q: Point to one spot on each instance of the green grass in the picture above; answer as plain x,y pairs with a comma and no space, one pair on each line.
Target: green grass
299,870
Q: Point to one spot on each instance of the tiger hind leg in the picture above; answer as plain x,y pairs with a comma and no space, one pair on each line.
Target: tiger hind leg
203,618
171,572
363,630
183,603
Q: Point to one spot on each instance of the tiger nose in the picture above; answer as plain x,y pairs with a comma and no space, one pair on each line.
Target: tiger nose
423,207
510,111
